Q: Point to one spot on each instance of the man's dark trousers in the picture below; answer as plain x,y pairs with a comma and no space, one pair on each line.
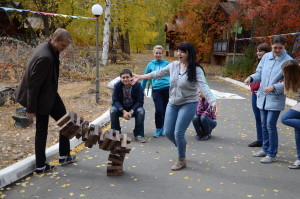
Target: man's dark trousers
42,121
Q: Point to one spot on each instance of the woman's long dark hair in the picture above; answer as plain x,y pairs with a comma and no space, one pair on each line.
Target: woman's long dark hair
191,68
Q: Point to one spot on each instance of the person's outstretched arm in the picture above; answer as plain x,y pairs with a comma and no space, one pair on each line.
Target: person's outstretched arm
163,72
136,78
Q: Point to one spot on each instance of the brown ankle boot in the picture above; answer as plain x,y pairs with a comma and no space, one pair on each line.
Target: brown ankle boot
180,164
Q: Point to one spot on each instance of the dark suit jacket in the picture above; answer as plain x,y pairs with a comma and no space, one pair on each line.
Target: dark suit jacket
137,95
38,88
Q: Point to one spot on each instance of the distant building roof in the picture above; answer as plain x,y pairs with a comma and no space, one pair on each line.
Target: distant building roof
35,22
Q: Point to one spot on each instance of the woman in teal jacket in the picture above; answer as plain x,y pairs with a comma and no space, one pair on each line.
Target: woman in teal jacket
270,96
160,88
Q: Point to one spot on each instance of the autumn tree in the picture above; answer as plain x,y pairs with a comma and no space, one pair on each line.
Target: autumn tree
271,17
200,24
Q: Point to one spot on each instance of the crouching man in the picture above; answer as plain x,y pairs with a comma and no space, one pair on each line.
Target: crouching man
128,100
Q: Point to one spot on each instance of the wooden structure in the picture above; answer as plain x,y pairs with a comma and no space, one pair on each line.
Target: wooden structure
223,44
118,144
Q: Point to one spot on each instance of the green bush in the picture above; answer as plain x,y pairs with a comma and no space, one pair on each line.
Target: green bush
243,66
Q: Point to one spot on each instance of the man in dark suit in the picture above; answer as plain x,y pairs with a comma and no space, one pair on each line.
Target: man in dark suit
128,101
38,93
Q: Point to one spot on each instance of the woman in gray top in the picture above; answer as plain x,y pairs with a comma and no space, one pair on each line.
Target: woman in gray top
186,77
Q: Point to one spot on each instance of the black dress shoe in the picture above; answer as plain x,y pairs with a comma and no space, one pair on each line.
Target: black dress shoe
255,144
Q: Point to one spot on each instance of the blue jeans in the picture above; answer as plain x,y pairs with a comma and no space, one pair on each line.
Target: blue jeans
292,118
177,120
160,98
256,112
269,130
139,115
203,125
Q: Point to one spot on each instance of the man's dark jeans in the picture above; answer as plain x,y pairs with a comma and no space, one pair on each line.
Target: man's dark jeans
139,115
42,121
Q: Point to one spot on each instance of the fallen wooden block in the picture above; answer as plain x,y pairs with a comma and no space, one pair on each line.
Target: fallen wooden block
93,136
64,119
84,129
115,137
105,140
79,122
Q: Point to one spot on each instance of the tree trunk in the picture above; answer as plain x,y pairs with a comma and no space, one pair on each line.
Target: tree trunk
121,39
114,46
106,33
126,43
115,38
45,18
46,25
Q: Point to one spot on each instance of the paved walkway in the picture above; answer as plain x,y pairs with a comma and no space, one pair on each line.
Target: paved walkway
221,168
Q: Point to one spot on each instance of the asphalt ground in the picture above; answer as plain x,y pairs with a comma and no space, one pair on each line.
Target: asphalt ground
220,168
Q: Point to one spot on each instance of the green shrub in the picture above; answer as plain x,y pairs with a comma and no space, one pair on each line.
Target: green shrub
243,66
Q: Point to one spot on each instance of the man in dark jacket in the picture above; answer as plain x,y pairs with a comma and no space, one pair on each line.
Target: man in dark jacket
128,100
38,93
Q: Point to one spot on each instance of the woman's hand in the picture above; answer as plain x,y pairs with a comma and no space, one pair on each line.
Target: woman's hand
214,108
269,89
135,78
247,81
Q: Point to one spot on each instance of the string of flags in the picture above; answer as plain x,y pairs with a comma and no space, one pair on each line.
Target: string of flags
267,37
46,13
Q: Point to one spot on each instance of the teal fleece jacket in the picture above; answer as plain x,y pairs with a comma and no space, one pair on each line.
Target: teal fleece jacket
156,83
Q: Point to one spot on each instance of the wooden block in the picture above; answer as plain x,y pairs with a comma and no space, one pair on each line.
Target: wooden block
64,119
88,143
79,122
85,136
128,140
119,150
84,129
101,139
98,131
92,138
106,142
66,127
117,159
112,137
114,173
123,140
73,131
115,168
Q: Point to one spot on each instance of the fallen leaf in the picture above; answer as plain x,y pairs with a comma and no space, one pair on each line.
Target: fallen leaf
64,185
